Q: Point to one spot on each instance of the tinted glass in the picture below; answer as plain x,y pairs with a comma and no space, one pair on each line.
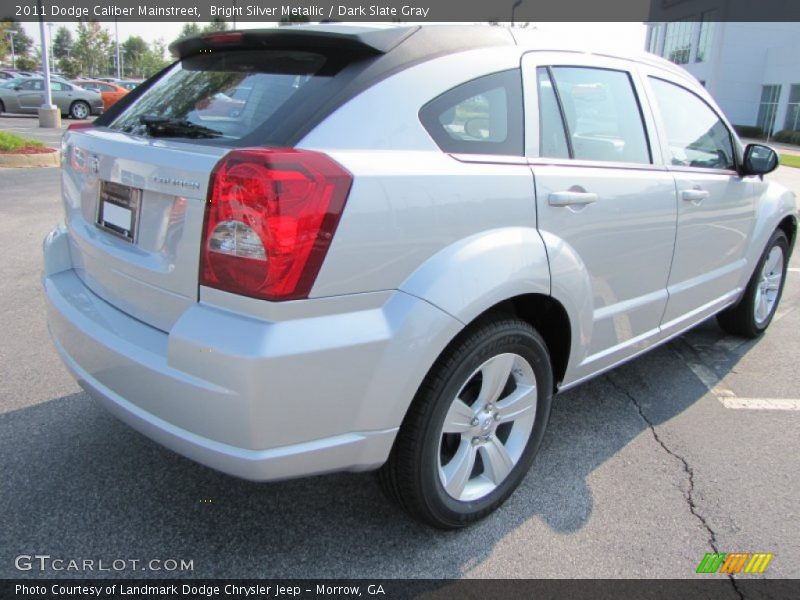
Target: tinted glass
552,136
482,116
208,90
602,114
695,134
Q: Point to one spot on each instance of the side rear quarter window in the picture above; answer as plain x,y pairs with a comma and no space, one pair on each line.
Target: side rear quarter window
482,116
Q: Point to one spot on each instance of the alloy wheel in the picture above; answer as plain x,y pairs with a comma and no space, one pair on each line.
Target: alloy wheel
487,427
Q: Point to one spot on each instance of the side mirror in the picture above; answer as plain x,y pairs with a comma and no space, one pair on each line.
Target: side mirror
17,88
759,160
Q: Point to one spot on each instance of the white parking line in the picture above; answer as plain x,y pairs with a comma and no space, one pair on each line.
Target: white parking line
761,403
721,392
793,269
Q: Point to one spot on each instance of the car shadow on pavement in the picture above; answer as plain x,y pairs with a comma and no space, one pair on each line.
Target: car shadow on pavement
79,484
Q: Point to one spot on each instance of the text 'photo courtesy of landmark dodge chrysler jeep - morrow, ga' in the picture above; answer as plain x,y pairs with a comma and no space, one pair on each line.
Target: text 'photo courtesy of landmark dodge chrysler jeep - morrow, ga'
396,246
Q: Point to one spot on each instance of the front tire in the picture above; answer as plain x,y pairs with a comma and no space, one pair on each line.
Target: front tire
80,110
755,310
474,426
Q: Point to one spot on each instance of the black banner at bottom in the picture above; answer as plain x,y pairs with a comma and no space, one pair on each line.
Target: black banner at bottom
399,589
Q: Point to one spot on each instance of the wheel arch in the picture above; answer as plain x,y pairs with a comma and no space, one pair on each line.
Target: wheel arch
549,318
789,227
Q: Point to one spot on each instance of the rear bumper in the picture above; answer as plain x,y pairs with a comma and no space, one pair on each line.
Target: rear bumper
256,399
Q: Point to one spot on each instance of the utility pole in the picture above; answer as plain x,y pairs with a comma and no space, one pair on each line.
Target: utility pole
11,35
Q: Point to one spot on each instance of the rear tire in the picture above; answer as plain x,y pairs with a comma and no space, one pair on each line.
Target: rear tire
756,308
80,110
474,427
2,107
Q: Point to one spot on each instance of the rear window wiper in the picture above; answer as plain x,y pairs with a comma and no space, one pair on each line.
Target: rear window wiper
166,127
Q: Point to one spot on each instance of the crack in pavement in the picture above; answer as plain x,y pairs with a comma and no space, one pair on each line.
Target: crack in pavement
712,537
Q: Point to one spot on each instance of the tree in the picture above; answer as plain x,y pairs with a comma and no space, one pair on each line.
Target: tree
292,19
153,60
22,41
62,43
27,63
216,24
70,67
189,29
133,51
92,48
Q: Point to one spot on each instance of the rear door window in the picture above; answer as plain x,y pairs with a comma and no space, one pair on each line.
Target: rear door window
602,114
552,135
482,116
225,96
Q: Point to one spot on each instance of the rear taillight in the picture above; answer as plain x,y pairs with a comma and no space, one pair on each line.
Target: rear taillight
84,125
270,218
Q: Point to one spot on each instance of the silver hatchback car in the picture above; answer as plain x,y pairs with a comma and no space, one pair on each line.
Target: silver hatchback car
399,245
27,95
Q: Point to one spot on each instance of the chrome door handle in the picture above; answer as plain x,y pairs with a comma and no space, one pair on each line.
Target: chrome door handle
571,198
694,195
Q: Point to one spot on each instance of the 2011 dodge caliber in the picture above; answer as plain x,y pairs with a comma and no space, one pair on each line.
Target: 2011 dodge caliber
397,248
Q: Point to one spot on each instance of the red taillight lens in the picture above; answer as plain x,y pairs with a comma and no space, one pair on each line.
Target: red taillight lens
270,218
74,126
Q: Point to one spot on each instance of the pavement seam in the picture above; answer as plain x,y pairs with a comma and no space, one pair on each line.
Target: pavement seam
689,495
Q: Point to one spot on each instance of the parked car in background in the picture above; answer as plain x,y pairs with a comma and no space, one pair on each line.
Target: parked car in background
12,73
10,83
109,92
393,256
26,96
129,84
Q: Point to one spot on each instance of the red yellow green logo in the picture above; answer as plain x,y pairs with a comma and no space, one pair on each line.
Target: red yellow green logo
734,562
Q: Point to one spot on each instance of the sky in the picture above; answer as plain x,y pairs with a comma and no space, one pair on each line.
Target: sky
628,36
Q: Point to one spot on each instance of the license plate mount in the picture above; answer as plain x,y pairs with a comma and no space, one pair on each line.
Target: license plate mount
118,210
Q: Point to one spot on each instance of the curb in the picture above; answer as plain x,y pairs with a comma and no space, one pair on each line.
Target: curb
22,161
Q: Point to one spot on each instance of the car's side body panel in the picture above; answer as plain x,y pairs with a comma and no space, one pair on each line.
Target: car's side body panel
620,245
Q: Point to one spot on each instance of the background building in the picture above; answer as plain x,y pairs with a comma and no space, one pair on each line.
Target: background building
751,69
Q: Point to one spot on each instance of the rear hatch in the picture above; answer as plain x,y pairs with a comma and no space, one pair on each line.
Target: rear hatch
135,185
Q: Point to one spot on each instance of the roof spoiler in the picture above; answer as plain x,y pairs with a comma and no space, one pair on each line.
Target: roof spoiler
358,40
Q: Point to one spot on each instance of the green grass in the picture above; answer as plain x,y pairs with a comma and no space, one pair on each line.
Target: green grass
10,142
790,160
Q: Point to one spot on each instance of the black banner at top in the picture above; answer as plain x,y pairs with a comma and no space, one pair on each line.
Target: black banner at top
400,10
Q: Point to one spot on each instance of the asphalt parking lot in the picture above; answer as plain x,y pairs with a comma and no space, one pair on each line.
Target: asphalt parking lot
641,473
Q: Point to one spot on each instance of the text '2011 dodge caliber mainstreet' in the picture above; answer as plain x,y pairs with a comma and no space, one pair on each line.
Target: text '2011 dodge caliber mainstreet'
336,247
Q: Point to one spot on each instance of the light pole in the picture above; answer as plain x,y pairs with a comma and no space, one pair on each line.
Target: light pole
514,10
116,34
50,41
49,114
11,35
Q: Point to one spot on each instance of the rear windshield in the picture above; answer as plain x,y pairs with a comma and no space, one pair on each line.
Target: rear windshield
226,96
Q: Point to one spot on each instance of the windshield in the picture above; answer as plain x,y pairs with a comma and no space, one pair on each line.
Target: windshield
232,93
